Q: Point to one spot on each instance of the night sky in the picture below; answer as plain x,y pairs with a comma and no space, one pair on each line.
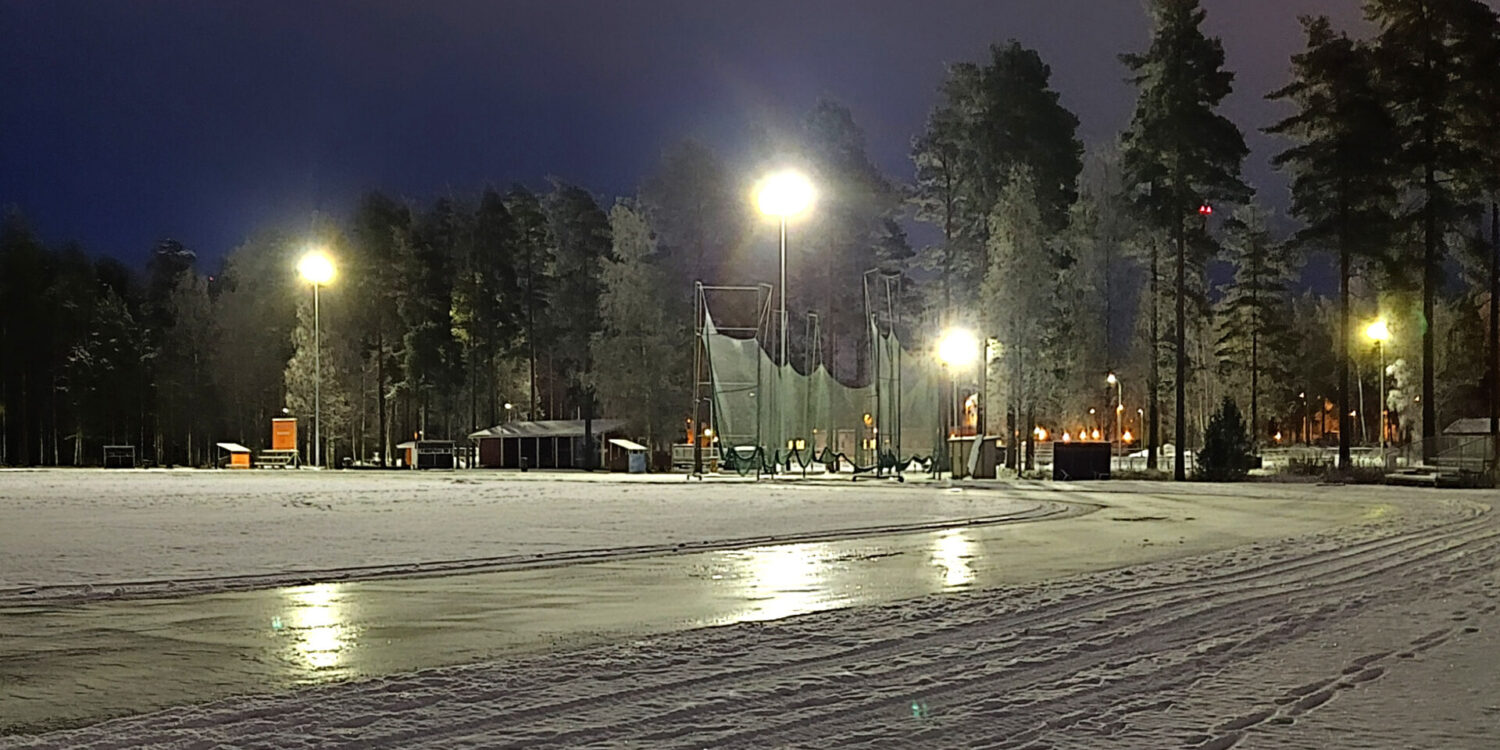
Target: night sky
125,122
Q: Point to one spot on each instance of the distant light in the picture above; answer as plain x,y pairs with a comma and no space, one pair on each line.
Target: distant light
1127,437
1112,379
1040,432
1206,210
1091,410
958,348
1094,434
1278,436
316,268
784,194
1066,437
509,406
1378,330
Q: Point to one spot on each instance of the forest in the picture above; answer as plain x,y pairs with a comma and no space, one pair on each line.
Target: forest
1147,257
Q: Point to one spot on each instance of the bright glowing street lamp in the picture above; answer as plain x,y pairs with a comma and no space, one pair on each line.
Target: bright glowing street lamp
784,195
316,268
1380,333
958,348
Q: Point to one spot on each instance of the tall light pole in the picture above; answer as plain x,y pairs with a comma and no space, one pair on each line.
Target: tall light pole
784,195
1119,412
316,268
958,348
1380,333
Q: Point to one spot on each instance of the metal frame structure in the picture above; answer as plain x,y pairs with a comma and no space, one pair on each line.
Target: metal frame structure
702,373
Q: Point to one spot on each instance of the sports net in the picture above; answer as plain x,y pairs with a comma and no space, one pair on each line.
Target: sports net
770,418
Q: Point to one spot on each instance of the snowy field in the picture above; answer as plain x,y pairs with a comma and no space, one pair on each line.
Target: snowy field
1249,616
89,533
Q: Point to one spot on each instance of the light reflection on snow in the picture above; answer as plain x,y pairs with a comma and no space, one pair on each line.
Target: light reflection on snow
316,619
784,580
951,551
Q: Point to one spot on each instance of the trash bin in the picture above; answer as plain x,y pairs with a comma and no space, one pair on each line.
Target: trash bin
525,464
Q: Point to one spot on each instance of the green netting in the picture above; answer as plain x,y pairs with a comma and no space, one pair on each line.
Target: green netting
770,419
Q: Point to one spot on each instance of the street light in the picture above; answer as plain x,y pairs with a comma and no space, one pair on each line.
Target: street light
956,349
316,268
1380,333
784,195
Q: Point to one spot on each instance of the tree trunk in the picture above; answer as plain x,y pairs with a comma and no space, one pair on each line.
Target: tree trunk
1179,468
1494,338
1430,281
1343,345
1155,380
380,405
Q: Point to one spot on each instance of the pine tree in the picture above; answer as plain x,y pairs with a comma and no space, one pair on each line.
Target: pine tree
992,118
1425,80
1341,167
581,231
1181,151
536,253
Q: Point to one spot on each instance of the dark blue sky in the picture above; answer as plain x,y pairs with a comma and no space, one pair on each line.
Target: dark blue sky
125,122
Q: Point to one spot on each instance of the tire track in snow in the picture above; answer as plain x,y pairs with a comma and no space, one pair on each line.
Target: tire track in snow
677,692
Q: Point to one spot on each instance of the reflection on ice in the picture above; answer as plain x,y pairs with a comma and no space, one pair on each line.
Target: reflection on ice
780,581
317,622
951,551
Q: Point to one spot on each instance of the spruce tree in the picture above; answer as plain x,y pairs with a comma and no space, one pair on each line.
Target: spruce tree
1252,326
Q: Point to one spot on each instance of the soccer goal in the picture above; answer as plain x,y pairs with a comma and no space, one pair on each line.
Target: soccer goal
119,457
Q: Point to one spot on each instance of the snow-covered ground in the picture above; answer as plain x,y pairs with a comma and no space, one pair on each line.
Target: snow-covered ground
87,533
1174,616
1328,640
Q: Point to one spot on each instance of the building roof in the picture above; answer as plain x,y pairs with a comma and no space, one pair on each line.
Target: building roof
549,428
629,445
1468,426
233,447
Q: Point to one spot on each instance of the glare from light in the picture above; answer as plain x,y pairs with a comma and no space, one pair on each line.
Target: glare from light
316,268
1127,437
952,551
1041,433
1378,331
1112,379
784,194
958,348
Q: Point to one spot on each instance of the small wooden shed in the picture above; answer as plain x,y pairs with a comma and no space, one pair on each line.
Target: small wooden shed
627,456
233,456
427,454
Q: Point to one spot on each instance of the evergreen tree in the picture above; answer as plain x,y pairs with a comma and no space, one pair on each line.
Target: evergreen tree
991,119
431,359
639,355
1252,324
535,268
1181,151
698,214
581,231
486,296
1425,77
374,274
1341,167
1227,450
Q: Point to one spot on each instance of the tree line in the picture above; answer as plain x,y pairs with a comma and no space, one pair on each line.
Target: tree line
1147,256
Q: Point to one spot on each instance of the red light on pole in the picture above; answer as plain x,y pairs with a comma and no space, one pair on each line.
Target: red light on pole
1205,210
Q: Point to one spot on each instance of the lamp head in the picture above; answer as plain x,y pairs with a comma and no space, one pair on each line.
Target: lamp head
316,268
784,194
1378,330
958,348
